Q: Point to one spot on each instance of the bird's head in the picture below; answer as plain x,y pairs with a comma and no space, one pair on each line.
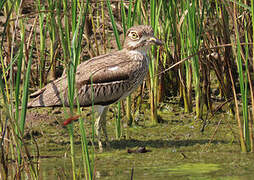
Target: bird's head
140,38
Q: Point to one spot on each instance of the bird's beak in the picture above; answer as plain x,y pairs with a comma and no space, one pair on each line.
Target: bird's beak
155,41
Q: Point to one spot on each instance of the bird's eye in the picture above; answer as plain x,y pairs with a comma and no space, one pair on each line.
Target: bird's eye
133,35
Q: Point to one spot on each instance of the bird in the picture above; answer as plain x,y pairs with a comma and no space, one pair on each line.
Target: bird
105,79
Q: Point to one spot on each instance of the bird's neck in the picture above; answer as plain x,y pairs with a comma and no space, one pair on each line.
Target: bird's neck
139,51
137,55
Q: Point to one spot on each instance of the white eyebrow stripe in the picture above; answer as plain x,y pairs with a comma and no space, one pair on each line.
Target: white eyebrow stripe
113,68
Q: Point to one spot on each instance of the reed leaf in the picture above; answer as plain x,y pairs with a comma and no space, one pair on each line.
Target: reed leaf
25,90
118,127
71,73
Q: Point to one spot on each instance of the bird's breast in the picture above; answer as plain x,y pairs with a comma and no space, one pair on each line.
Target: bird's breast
138,70
140,64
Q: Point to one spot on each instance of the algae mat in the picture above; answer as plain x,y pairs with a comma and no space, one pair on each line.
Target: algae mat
176,149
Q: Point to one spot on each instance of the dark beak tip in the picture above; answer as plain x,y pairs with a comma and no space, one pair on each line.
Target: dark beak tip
155,41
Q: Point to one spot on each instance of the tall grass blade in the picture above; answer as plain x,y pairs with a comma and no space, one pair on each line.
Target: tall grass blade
114,25
25,89
129,22
153,65
75,48
123,16
43,30
118,128
244,89
18,78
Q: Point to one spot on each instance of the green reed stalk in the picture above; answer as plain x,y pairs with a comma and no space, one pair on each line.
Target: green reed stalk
94,31
42,43
103,28
26,88
173,28
71,81
195,66
137,17
87,161
118,124
71,68
128,110
52,36
91,78
3,101
244,148
194,32
16,127
123,16
98,17
85,152
74,15
77,31
244,91
156,62
188,85
2,89
247,132
153,65
136,11
7,95
66,26
61,32
129,24
114,25
4,85
17,85
118,121
152,11
153,109
251,86
185,50
35,171
139,11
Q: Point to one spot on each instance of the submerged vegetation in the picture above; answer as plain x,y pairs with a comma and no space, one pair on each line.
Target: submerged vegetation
205,66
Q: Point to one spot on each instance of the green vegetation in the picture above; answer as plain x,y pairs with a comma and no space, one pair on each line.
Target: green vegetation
206,66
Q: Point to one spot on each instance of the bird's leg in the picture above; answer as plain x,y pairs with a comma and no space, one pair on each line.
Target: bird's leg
103,125
97,130
100,123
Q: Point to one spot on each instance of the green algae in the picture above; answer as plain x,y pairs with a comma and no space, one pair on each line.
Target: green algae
194,168
177,149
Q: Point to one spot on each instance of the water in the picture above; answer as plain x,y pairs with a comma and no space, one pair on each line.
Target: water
154,166
178,150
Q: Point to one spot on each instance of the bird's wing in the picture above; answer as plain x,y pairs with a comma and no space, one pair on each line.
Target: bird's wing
108,78
51,95
104,70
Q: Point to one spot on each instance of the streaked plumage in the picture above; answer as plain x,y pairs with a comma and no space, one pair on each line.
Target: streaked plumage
114,76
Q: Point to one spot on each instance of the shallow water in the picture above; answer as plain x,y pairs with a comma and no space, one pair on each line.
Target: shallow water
178,150
118,165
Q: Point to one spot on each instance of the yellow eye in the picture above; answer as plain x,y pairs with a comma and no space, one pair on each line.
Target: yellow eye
133,35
